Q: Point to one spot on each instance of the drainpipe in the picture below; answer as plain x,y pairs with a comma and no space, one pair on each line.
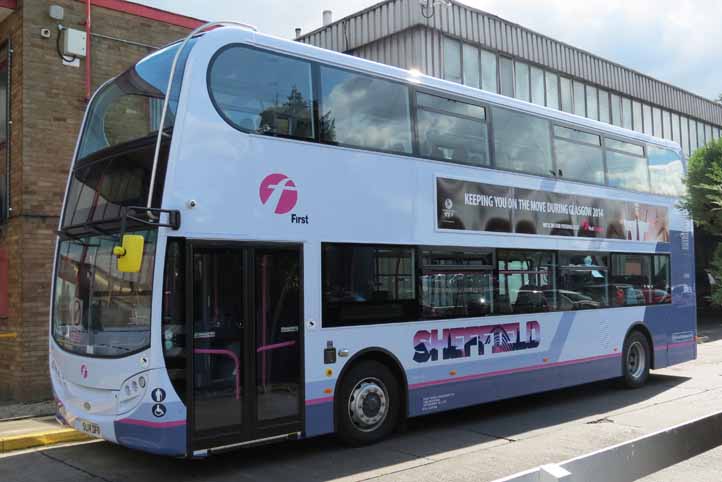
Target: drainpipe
88,25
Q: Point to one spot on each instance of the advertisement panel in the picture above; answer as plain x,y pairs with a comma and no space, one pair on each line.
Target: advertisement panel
474,206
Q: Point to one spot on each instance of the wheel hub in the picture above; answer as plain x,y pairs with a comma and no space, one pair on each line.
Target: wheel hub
636,360
368,404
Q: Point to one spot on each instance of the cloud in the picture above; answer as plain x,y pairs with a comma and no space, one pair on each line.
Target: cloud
676,41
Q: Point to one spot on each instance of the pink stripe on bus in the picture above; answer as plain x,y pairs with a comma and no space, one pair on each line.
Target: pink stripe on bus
146,423
681,343
316,401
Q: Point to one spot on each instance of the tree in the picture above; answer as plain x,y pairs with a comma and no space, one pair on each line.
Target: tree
719,99
703,201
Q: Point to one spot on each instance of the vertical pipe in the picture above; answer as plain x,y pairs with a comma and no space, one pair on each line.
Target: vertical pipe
88,26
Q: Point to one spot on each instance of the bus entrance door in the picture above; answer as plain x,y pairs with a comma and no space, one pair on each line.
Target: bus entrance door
246,338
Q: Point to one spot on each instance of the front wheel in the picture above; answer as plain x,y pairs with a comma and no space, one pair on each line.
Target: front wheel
636,360
367,404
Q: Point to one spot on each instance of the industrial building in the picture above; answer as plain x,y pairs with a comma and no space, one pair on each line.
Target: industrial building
458,43
53,55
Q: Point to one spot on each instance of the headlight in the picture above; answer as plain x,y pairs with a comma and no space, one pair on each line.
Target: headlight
131,392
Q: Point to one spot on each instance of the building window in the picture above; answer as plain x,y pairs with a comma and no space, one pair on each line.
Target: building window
522,81
707,133
537,86
637,116
521,142
700,134
552,85
582,281
693,136
684,126
253,104
488,71
647,115
657,122
626,165
675,128
457,284
666,171
452,59
471,65
363,111
604,106
667,122
616,110
506,76
592,107
526,282
579,99
365,284
451,130
578,155
626,113
566,94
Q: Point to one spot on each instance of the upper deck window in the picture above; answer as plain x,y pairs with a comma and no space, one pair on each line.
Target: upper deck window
579,155
626,165
452,130
522,142
263,92
666,171
363,111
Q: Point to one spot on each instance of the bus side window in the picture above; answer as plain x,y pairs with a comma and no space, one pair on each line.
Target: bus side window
522,142
363,111
263,92
451,130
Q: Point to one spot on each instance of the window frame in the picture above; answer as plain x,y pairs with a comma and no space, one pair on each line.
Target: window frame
582,143
318,85
414,281
486,122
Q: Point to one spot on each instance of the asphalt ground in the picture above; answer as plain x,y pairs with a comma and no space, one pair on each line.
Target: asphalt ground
479,443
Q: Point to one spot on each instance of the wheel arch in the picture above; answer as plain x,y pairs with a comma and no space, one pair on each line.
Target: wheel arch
384,357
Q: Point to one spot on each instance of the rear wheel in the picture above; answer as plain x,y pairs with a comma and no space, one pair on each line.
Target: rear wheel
636,360
367,404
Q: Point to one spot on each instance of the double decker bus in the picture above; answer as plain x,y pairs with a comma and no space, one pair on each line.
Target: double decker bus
264,240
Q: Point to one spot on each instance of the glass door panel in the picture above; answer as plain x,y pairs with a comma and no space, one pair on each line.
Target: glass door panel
278,309
218,314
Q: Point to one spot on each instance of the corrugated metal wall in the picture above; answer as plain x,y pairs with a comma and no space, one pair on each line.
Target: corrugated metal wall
385,33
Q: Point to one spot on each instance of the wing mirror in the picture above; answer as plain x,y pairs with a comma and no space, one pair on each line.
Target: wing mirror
130,253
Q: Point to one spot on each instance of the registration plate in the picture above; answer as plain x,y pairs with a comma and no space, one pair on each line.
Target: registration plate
90,428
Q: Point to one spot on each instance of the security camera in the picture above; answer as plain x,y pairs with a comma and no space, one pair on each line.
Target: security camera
45,32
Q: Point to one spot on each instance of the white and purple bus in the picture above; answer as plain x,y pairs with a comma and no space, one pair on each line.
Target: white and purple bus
264,240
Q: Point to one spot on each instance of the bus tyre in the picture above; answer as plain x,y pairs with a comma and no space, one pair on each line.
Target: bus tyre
636,359
367,404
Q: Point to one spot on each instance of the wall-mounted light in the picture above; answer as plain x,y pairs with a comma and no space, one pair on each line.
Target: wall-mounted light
56,12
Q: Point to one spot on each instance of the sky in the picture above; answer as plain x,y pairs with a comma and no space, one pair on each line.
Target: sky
677,41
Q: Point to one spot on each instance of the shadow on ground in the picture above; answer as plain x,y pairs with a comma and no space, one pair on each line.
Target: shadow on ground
325,458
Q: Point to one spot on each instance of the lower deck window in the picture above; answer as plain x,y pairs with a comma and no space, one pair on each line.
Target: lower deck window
368,284
364,284
457,284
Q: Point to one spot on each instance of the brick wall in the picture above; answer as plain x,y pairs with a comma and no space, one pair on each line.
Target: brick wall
48,102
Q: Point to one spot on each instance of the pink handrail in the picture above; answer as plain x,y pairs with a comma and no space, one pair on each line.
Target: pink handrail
230,354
